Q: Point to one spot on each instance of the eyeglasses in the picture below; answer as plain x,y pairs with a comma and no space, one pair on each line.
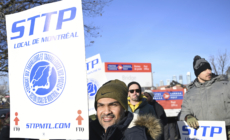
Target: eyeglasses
137,90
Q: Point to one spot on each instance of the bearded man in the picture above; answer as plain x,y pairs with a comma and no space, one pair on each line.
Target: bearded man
136,101
115,122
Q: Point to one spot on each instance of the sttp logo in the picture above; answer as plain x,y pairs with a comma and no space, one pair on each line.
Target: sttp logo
93,86
44,78
91,65
209,131
21,29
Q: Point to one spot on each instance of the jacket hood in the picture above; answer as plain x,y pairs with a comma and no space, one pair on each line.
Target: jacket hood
144,102
154,128
208,83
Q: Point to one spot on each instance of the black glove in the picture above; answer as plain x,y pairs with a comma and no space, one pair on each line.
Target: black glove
192,122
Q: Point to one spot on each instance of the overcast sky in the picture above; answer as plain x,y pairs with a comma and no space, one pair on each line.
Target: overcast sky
166,33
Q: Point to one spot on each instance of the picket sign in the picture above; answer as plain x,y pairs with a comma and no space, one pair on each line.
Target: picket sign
47,72
95,78
208,130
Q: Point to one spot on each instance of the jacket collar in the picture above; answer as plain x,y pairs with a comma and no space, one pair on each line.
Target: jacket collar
151,123
215,78
143,101
124,123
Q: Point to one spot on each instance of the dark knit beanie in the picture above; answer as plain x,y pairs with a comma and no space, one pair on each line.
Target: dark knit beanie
131,83
115,89
200,64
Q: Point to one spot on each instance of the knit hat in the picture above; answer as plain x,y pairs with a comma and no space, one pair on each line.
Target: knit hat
200,64
131,83
149,92
115,89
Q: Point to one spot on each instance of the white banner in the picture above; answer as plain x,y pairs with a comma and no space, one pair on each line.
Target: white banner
96,78
47,72
208,130
129,72
144,79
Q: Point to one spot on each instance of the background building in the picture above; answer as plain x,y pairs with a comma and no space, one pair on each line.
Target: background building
161,83
174,78
168,82
181,79
188,77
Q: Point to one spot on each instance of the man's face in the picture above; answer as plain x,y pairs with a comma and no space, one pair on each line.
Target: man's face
134,92
109,112
205,75
149,98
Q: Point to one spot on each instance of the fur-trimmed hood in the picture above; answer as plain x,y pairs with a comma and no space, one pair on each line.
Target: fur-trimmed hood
153,125
131,127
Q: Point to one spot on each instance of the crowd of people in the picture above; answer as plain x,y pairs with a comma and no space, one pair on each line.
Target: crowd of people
124,112
136,109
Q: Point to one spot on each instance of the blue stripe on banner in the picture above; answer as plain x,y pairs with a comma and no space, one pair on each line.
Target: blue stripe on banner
173,95
119,67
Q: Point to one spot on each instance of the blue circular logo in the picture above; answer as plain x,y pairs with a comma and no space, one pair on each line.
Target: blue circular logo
92,87
44,78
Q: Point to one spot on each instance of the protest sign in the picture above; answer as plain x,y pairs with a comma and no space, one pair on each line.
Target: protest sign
208,130
170,100
96,78
47,72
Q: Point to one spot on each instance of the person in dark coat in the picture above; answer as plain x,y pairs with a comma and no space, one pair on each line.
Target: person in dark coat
115,122
136,103
160,113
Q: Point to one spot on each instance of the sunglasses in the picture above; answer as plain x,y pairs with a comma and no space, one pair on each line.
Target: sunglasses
137,90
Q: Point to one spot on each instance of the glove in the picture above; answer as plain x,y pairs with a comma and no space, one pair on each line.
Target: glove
192,122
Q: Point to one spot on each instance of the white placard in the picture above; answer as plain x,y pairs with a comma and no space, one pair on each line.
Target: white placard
208,130
47,72
172,112
96,78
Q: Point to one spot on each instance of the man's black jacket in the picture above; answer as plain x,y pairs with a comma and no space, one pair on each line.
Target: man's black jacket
159,112
123,130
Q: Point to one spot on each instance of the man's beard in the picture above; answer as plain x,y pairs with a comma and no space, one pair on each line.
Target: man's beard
137,98
206,78
122,115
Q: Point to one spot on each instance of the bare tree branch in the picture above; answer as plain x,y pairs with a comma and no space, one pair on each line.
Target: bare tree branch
222,60
213,64
4,89
91,8
220,63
